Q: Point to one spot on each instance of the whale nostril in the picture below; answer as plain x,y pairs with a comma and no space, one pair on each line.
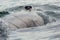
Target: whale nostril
28,7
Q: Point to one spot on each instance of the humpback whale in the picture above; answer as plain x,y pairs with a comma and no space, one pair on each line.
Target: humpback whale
23,19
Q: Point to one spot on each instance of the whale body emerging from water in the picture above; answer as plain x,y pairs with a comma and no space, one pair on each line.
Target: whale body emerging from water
23,19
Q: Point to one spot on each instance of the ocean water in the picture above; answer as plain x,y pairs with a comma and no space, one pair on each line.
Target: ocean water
48,9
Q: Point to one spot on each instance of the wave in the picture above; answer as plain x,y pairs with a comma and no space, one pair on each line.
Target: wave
50,15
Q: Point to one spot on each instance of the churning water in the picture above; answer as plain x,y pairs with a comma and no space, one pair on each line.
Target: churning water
49,11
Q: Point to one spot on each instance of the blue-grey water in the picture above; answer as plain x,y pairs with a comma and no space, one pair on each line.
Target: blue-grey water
50,12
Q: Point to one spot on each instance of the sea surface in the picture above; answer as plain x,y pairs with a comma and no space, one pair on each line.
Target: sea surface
51,14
